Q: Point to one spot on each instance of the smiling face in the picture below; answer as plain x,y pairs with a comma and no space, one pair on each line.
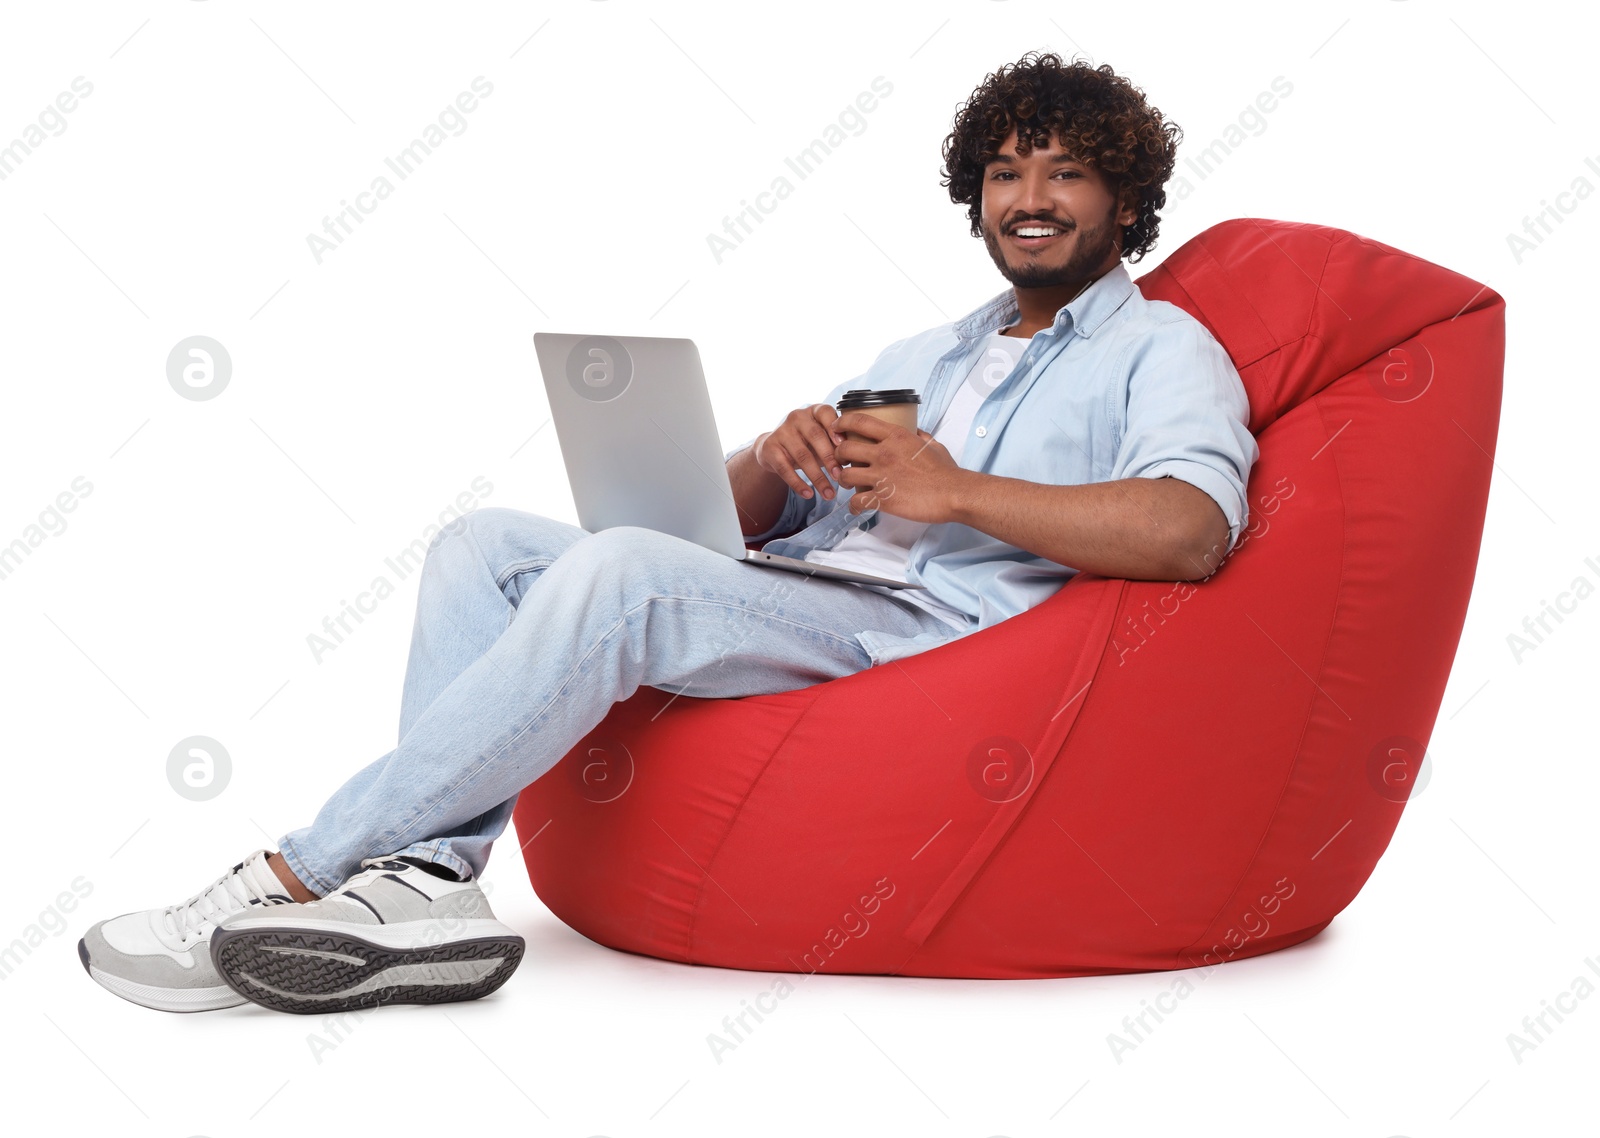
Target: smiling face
1049,220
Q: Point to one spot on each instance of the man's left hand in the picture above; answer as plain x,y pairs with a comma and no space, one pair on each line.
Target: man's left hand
904,473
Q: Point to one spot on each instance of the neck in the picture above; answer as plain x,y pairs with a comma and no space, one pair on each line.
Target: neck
1037,307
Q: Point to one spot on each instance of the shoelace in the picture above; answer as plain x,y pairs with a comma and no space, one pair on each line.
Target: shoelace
388,861
191,918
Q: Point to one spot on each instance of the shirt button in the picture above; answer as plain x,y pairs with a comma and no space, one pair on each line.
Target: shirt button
981,432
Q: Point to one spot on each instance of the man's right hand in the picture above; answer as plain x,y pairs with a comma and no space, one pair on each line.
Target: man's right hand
803,441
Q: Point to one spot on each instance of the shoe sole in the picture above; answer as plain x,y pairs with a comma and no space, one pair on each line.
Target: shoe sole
161,999
316,972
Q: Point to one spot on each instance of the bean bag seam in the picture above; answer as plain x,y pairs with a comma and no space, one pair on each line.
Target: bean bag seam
733,822
1184,280
1305,725
1180,276
1112,607
1328,242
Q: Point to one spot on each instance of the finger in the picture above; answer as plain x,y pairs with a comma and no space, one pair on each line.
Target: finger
777,459
826,451
829,418
869,427
819,453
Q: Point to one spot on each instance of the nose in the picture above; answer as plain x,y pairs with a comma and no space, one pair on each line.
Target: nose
1033,196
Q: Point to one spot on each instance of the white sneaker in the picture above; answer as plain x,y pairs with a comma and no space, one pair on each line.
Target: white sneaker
391,934
161,958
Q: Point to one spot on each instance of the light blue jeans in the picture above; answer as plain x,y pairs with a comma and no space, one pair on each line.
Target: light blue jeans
527,631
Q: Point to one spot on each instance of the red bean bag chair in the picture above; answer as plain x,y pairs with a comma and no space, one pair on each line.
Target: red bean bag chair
1132,775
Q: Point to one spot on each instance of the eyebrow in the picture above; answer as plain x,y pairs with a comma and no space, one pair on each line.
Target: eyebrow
1055,159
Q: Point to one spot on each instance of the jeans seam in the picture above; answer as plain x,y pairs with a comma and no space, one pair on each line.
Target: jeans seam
307,876
518,567
441,856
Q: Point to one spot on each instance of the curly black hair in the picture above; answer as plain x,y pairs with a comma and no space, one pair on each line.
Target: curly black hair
1095,113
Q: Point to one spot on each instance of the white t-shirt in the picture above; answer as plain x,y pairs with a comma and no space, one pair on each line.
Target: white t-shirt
884,550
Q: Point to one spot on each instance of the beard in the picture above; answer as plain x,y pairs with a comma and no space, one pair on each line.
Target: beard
1093,246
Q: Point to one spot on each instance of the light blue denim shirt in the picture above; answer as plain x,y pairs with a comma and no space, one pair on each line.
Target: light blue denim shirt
1117,387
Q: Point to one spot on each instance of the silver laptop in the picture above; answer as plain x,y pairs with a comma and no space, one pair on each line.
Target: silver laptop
640,442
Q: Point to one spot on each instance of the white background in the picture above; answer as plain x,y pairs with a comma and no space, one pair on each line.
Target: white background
370,389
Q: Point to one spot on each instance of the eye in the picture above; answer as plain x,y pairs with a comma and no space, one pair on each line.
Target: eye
1008,174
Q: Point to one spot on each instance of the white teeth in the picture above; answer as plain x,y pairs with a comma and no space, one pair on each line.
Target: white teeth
1036,231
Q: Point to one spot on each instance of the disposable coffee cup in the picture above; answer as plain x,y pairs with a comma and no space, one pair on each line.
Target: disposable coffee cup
897,405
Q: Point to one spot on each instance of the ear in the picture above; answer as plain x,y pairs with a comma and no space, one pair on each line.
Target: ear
1130,206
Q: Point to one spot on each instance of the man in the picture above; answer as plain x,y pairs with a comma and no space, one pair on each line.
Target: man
1066,425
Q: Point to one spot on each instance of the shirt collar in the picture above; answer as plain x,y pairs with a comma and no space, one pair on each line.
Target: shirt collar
1086,313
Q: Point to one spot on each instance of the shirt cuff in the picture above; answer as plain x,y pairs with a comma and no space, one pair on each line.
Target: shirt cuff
1219,486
